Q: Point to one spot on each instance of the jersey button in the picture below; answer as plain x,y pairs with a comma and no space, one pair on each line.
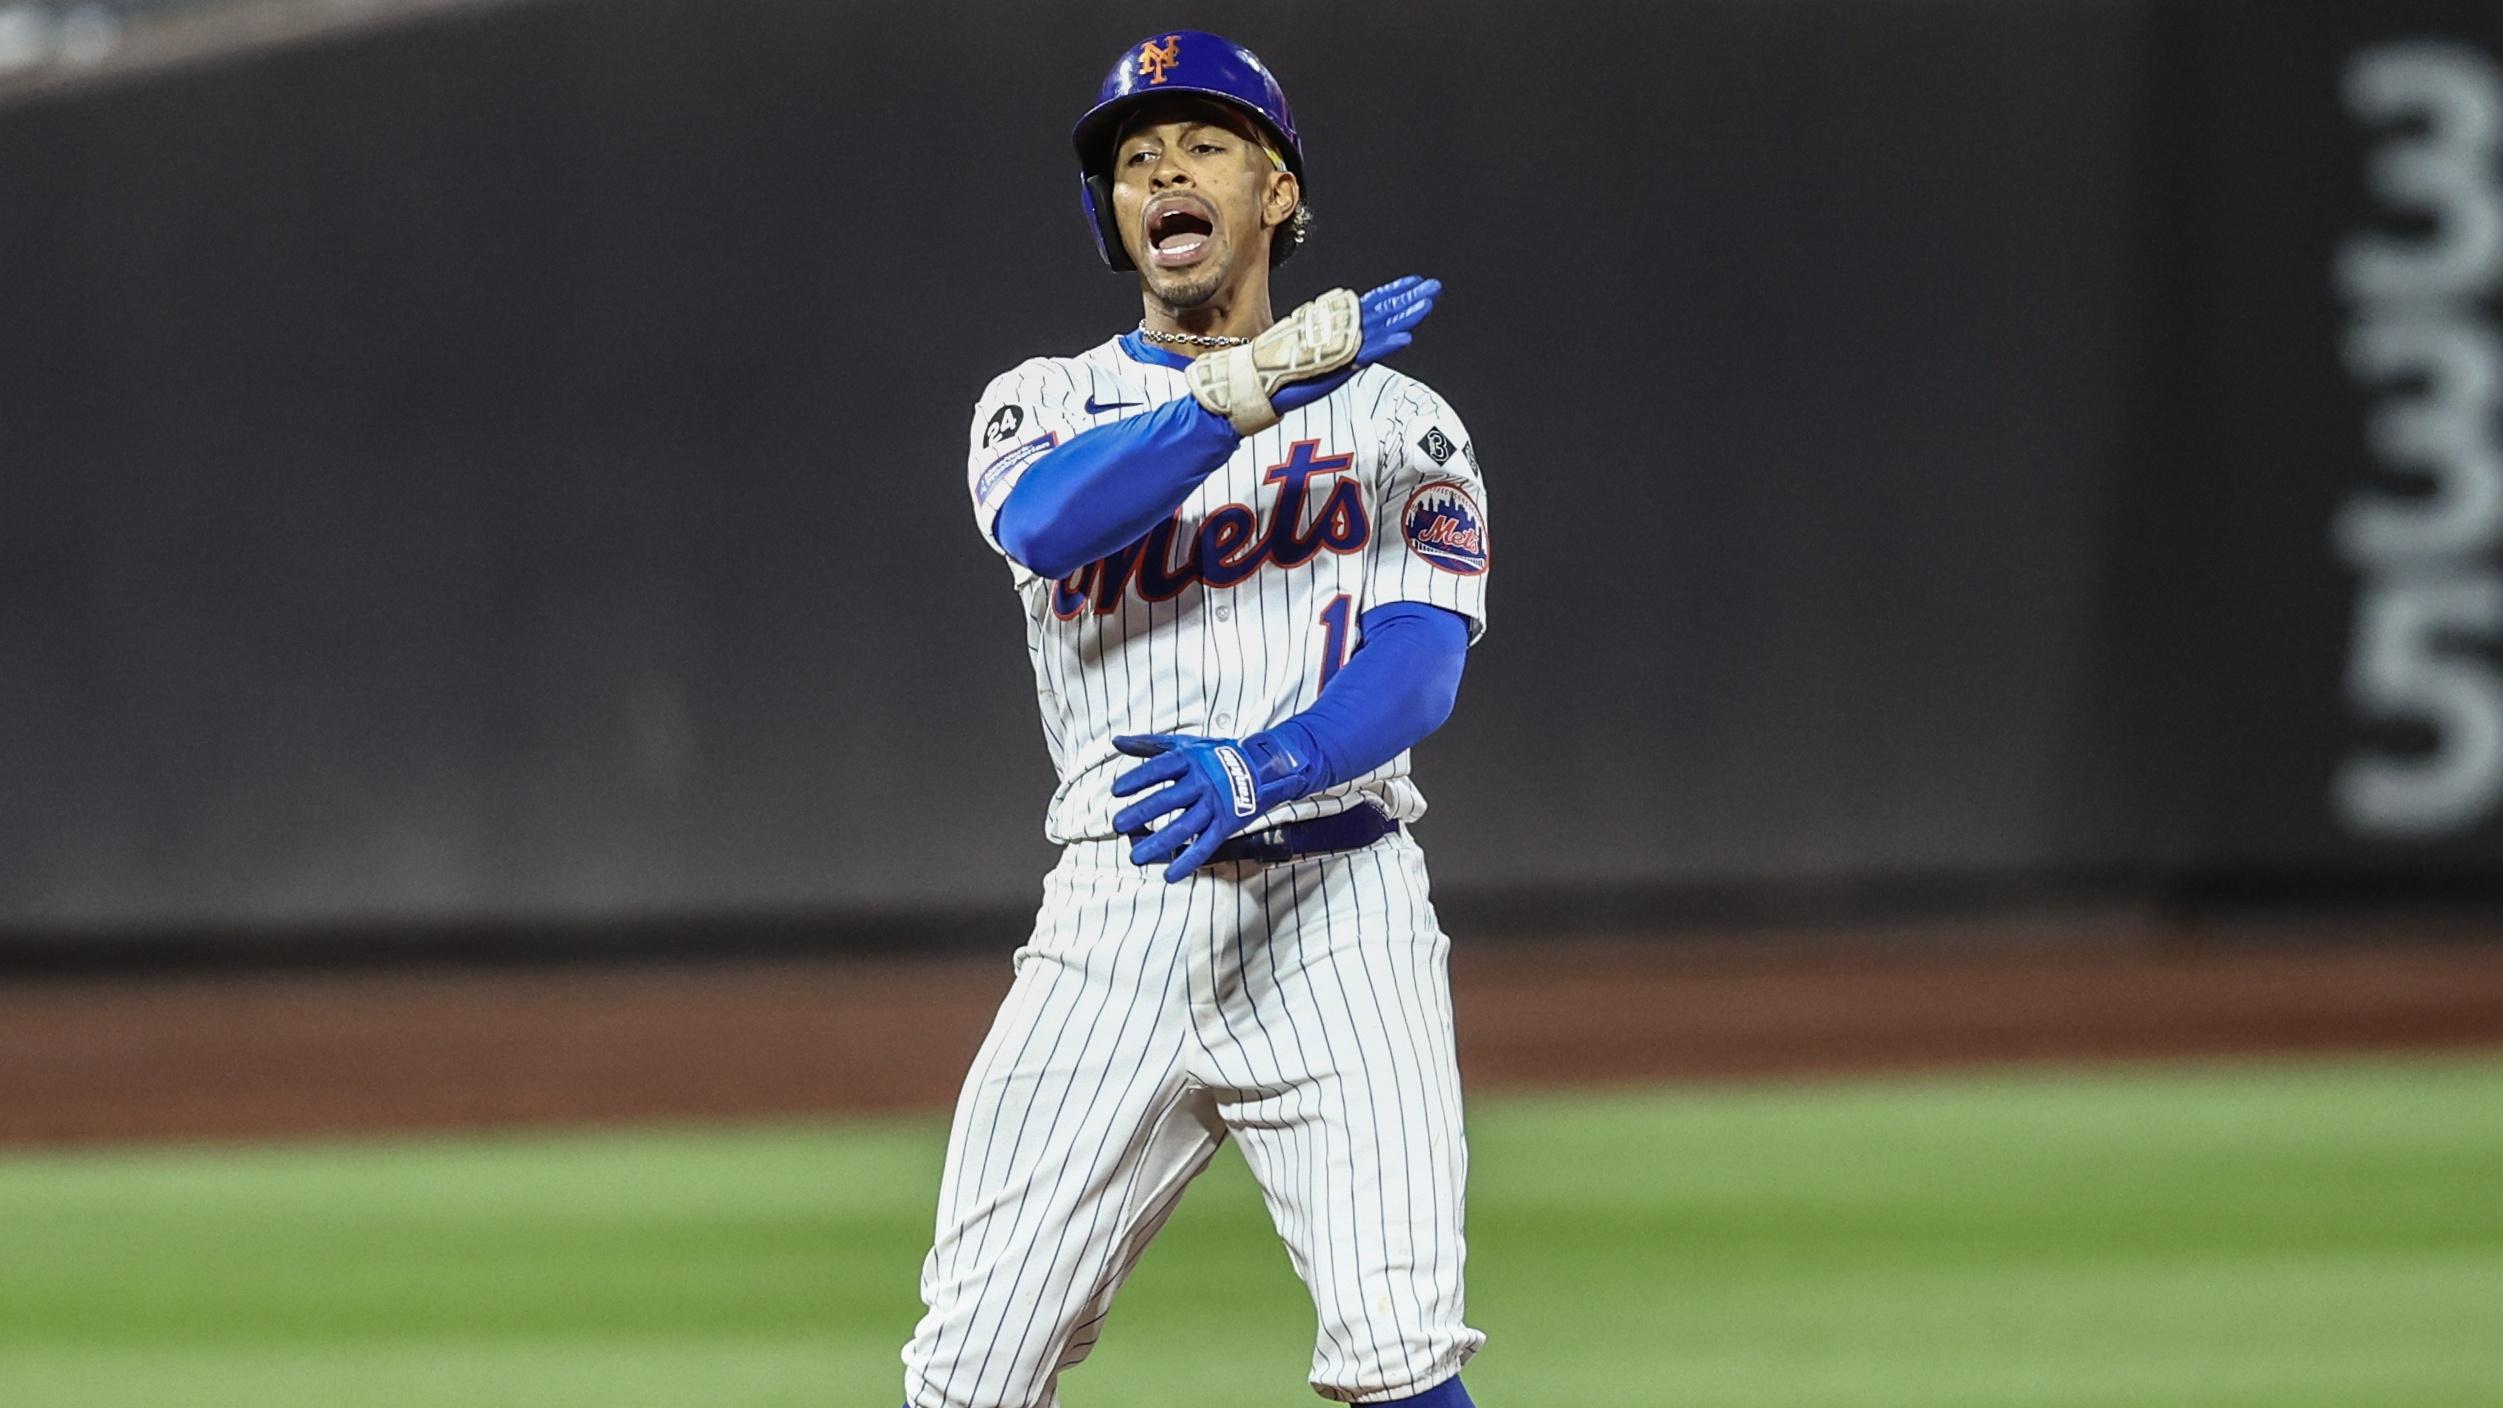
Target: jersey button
1225,721
1225,613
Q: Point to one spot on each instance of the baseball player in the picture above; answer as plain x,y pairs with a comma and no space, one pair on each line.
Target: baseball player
1251,559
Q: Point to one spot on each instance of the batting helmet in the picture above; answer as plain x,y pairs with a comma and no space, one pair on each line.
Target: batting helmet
1186,61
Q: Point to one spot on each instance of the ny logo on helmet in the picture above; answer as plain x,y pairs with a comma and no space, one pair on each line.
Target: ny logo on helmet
1154,59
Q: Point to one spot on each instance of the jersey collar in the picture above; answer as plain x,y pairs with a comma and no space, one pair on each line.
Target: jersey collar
1142,350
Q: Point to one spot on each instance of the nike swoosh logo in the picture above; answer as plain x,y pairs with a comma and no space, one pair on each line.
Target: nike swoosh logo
1096,410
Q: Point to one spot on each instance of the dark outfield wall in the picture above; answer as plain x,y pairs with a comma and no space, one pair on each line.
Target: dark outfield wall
512,465
2326,600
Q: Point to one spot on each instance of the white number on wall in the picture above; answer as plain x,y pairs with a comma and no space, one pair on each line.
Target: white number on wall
2409,664
2421,536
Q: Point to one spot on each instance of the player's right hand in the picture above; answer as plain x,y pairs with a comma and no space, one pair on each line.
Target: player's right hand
1390,311
1388,315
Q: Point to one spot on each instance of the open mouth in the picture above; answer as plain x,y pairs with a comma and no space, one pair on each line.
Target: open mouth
1179,233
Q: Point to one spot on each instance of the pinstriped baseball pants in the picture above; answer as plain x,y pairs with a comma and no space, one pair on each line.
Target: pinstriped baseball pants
1302,1008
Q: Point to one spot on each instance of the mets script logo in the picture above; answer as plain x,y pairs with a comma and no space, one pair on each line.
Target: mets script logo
1305,520
1444,527
1154,59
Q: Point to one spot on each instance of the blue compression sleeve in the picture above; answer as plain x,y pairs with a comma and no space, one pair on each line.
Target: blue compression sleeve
1104,489
1398,687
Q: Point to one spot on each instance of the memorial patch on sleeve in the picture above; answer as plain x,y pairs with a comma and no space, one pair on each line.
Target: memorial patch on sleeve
1002,424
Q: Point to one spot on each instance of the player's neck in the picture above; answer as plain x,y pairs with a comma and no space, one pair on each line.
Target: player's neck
1237,312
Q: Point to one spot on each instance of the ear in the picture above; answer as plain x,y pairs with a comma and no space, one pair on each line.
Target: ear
1285,193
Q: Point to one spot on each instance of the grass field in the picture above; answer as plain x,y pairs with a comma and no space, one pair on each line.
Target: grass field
2288,1236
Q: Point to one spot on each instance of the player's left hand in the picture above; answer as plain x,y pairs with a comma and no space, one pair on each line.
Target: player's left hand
1217,785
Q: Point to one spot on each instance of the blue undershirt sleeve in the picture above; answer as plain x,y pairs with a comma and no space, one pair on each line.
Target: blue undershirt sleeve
1107,486
1397,688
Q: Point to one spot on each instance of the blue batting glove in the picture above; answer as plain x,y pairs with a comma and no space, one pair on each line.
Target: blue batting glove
1213,788
1389,313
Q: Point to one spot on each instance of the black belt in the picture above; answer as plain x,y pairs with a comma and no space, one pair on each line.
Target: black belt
1359,825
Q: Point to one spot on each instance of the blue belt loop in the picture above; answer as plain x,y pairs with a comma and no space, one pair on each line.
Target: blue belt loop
1359,825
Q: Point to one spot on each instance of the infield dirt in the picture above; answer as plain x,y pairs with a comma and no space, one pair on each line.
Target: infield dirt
95,1060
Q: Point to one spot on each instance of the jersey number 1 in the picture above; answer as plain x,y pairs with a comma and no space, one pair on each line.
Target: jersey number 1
1334,636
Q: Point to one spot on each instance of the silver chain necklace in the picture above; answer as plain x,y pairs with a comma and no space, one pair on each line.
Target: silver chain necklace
1190,339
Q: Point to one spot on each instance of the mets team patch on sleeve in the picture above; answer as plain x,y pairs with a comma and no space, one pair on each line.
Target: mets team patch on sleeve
1444,527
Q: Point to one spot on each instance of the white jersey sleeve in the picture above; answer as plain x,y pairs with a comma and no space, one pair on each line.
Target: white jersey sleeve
1431,543
1021,414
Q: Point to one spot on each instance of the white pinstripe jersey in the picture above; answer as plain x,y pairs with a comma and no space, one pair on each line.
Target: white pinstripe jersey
1231,616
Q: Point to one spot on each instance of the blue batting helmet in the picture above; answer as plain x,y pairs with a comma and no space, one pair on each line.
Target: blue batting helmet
1185,61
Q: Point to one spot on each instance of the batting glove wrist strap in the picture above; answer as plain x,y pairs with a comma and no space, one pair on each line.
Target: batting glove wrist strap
1315,340
1286,764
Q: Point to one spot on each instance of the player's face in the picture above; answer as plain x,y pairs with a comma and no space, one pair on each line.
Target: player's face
1195,194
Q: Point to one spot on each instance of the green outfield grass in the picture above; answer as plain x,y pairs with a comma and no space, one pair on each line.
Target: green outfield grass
2285,1236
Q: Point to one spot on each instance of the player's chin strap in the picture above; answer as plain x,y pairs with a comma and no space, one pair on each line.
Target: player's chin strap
1315,340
